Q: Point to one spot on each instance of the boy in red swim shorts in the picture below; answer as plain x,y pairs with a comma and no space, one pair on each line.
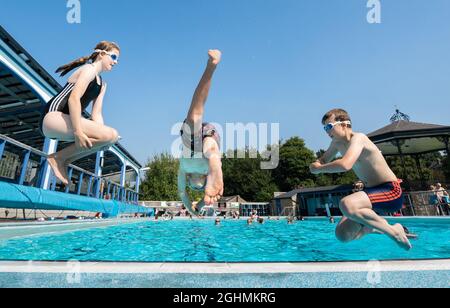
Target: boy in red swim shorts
382,193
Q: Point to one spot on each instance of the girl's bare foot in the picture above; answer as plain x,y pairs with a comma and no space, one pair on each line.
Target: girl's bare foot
59,169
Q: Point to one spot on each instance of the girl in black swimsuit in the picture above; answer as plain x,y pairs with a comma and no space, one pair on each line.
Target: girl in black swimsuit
62,118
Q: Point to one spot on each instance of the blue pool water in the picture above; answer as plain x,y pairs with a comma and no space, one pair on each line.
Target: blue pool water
233,241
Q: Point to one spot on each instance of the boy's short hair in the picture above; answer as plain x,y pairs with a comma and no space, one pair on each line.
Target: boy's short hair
339,115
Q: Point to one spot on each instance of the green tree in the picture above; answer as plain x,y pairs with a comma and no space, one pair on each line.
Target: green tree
346,178
293,170
244,177
335,178
411,171
161,179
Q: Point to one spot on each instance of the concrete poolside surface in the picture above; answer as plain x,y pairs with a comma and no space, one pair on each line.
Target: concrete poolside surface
396,274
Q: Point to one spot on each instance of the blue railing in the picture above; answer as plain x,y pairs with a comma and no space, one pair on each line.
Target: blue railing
97,187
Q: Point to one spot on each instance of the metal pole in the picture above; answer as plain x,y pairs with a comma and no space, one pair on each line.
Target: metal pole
23,171
411,204
98,172
447,145
50,147
89,186
2,148
80,182
405,177
419,168
138,182
70,180
123,174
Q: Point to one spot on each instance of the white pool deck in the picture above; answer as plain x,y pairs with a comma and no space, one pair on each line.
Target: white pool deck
223,268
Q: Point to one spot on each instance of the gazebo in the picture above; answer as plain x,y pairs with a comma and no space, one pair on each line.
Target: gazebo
403,137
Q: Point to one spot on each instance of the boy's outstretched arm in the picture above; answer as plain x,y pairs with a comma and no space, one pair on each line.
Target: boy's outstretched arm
344,164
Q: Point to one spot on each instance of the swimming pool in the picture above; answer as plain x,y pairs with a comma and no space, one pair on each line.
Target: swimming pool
232,242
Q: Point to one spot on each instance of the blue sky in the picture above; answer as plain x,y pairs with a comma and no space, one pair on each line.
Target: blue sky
285,61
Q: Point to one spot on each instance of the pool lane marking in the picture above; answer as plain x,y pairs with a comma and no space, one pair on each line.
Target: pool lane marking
221,268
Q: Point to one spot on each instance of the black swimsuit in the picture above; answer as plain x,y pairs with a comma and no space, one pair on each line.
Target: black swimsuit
60,103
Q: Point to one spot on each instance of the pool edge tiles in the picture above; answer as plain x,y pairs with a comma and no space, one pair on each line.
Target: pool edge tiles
441,265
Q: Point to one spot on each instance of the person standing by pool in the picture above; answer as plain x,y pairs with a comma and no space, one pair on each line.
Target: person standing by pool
182,212
432,196
62,118
201,164
442,194
382,193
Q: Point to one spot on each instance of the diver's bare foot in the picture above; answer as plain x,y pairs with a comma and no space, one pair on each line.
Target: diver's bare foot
410,235
401,237
214,187
59,169
214,56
